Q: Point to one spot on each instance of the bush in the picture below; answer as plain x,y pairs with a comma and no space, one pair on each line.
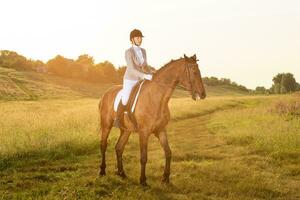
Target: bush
291,107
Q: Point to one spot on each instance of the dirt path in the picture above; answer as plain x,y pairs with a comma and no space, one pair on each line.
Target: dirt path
23,88
17,84
203,166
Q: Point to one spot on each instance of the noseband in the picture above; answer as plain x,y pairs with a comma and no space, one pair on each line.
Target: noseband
187,70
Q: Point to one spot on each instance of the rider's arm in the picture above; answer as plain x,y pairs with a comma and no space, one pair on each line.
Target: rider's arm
131,65
143,67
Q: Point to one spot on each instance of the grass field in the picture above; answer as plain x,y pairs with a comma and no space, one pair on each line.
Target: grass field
228,146
223,148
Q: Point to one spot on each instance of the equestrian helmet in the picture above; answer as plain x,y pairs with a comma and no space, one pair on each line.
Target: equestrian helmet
135,33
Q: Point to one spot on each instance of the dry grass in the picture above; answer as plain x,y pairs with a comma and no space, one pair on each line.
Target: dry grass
44,125
271,128
223,148
286,107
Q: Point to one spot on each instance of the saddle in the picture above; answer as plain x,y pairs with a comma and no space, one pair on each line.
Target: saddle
132,101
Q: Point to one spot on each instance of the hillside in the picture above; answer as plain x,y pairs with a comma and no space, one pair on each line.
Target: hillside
25,85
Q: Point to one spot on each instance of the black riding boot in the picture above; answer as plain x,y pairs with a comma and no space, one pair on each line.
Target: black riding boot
119,120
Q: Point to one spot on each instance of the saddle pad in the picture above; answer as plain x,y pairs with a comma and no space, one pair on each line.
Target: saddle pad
119,96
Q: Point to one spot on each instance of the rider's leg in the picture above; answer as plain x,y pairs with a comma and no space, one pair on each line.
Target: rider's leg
118,123
127,87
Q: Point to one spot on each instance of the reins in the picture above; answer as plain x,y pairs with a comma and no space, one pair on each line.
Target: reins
180,86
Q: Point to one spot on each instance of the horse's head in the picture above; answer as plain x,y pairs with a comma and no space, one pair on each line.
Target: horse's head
191,79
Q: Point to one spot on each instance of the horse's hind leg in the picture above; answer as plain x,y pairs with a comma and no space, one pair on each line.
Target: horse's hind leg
123,139
104,135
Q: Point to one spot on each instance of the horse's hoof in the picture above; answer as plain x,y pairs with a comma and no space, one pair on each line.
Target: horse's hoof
121,174
144,184
102,173
165,180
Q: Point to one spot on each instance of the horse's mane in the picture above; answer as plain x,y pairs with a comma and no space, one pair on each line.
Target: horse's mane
165,66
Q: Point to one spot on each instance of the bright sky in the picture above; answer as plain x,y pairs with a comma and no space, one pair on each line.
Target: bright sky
247,41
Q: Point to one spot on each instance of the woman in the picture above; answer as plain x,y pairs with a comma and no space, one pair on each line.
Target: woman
137,69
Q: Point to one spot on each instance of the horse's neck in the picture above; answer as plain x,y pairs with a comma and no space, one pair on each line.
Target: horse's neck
167,79
168,75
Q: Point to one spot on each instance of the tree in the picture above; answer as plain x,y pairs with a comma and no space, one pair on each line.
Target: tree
225,81
260,89
289,82
121,71
283,83
298,87
211,81
11,59
85,59
84,62
60,66
109,71
95,74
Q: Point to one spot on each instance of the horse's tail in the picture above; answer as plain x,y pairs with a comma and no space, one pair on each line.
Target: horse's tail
99,112
99,104
105,107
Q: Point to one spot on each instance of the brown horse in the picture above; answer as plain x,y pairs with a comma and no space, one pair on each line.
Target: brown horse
151,112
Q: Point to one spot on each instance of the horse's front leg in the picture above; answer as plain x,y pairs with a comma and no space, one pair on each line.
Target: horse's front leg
143,157
103,146
163,139
123,139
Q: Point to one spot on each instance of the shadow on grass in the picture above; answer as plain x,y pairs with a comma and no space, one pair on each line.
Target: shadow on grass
196,157
68,151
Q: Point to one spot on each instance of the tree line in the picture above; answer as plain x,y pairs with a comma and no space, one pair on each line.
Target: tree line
213,81
85,68
282,83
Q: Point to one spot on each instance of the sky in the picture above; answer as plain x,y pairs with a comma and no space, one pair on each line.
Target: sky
248,41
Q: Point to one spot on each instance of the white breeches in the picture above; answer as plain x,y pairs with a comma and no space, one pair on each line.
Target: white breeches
127,87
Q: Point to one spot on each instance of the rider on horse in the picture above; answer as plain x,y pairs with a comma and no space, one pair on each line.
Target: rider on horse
137,69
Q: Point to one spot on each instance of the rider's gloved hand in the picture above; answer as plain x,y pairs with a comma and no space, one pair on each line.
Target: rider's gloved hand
148,77
152,70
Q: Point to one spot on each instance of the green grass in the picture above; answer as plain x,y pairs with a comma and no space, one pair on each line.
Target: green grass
228,146
50,150
261,127
267,132
45,126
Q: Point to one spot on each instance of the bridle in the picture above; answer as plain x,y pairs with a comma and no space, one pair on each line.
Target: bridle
187,69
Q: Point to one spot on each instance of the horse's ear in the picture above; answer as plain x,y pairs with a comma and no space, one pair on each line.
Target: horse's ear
194,57
185,57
